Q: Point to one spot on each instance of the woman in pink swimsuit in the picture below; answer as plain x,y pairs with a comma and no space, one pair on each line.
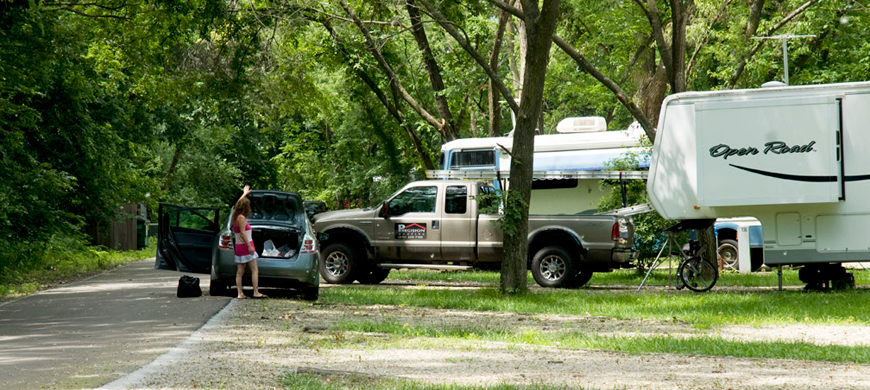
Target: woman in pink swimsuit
246,255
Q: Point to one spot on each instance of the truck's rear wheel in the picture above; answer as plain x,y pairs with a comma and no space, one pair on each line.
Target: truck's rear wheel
340,262
553,266
373,275
582,277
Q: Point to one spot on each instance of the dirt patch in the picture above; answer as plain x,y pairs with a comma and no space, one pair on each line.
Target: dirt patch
259,341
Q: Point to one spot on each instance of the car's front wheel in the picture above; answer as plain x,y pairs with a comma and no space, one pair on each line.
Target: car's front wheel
340,262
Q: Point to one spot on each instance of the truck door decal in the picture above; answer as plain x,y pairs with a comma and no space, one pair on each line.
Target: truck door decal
411,231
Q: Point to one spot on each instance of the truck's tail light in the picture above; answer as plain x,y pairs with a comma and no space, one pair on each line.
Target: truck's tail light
309,245
620,229
225,242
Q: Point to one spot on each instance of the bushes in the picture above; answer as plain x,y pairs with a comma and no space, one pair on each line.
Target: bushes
27,267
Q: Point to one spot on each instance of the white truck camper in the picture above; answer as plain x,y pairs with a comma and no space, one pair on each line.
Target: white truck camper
797,158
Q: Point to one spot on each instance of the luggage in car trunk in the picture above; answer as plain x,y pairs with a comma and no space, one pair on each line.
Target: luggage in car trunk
276,242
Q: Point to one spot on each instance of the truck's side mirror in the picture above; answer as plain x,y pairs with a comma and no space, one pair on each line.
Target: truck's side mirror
385,209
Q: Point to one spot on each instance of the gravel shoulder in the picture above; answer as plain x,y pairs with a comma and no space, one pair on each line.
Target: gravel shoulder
254,343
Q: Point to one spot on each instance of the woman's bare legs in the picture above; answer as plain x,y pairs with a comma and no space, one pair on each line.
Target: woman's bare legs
240,271
255,278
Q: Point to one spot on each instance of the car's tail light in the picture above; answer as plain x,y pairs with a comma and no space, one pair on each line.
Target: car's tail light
225,242
309,245
614,233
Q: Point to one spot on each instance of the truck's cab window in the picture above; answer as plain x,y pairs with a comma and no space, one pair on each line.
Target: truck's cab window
414,200
456,200
487,200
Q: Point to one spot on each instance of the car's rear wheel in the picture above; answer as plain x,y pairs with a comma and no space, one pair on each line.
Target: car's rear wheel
217,288
340,263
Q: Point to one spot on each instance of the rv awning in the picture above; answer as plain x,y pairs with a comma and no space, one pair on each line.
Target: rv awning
582,160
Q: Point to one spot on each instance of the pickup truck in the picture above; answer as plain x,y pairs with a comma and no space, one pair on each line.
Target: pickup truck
437,224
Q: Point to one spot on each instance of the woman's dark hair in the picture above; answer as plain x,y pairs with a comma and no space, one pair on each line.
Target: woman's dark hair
243,207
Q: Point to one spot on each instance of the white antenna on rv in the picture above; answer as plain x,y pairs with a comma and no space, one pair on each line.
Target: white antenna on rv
784,39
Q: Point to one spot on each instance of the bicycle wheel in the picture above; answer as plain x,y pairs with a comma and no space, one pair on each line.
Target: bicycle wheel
698,274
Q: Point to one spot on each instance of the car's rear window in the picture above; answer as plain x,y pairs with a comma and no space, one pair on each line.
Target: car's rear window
274,207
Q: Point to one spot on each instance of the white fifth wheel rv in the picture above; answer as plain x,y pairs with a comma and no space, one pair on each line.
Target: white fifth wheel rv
797,158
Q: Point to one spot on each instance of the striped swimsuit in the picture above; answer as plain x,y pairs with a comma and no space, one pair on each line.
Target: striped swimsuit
241,247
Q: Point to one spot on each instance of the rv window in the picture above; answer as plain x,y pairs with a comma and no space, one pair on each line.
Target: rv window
554,184
472,158
456,201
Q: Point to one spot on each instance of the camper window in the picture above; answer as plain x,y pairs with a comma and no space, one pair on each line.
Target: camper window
554,184
472,158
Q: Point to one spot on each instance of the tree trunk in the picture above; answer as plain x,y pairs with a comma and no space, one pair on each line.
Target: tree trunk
754,18
680,14
539,26
493,96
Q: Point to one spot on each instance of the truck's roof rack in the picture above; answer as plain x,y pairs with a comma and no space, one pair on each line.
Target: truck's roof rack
489,174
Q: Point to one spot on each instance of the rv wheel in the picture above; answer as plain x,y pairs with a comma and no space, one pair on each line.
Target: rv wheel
728,254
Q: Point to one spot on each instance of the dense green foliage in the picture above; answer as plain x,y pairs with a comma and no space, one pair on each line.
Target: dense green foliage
109,102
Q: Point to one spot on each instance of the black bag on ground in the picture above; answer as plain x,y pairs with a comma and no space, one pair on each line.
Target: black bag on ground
188,287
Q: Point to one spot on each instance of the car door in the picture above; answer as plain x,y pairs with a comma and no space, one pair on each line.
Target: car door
185,238
412,231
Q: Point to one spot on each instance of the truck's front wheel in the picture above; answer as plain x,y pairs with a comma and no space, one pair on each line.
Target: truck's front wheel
553,267
339,264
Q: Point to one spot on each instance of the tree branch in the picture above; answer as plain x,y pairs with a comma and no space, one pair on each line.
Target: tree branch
621,95
707,34
652,15
450,132
742,65
392,109
394,78
584,64
447,26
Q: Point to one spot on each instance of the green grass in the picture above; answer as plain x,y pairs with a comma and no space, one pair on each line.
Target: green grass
343,381
694,345
62,264
659,277
701,310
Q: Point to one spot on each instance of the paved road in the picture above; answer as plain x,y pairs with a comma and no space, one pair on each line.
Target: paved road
92,332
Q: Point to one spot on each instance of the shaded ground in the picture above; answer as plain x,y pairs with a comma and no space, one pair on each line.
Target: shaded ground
92,331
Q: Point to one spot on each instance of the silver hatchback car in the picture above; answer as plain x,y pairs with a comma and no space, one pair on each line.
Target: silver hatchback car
194,240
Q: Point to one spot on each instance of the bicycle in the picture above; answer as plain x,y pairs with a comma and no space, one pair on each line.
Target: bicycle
695,272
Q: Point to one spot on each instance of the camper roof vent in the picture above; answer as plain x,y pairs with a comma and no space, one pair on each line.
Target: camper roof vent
773,84
586,124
